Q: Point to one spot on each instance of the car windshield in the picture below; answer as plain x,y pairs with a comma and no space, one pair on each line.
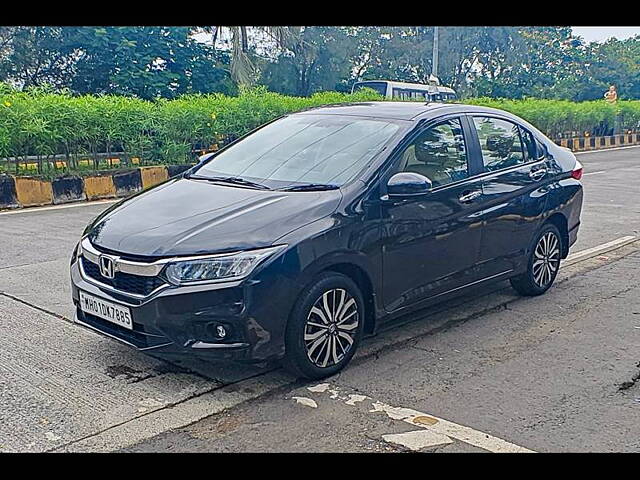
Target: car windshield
323,150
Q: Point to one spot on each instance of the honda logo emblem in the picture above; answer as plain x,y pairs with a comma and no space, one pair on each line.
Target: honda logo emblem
107,267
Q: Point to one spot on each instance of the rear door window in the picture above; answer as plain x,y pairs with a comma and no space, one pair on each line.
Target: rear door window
500,143
529,145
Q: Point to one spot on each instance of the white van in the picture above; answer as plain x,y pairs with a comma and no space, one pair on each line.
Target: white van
408,91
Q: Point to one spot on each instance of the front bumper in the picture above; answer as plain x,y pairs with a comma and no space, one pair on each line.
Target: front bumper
184,319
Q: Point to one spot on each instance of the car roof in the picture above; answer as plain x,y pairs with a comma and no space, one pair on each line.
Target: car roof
410,111
392,110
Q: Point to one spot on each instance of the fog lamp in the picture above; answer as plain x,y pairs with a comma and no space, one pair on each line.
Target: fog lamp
221,331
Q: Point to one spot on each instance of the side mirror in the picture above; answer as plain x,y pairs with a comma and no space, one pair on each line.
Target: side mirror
408,184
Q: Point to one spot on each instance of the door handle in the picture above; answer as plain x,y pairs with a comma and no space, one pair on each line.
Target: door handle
537,174
468,197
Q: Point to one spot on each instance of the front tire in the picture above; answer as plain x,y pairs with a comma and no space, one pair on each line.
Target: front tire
325,327
543,263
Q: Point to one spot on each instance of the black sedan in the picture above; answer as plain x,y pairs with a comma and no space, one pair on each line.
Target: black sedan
314,230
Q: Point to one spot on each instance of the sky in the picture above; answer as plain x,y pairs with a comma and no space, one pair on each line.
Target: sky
601,34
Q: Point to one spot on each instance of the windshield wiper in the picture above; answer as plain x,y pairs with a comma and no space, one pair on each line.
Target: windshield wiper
309,187
232,180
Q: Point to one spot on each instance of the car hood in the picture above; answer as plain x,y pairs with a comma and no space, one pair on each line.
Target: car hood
189,217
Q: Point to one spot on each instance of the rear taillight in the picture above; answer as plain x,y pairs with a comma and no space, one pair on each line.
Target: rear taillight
577,173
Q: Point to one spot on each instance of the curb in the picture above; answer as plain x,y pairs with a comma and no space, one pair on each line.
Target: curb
582,144
25,191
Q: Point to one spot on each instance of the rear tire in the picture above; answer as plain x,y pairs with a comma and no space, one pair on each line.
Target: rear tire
543,263
325,327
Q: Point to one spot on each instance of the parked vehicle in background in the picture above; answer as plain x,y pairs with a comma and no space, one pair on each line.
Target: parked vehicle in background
320,227
407,91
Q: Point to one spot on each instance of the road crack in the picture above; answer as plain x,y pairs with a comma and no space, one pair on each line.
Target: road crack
42,309
630,383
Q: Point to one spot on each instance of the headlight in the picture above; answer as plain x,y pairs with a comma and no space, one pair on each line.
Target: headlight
233,266
77,252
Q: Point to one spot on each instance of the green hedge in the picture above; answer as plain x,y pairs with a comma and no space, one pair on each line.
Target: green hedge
43,123
562,117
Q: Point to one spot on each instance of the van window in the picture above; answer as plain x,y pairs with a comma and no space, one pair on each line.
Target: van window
380,87
500,143
409,94
439,153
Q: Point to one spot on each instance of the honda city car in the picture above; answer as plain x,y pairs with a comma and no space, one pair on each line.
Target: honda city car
315,230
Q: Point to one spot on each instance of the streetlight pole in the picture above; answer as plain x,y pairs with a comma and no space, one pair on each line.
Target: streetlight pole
434,69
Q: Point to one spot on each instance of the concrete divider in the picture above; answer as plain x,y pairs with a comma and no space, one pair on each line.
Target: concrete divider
99,187
153,175
127,182
33,192
68,189
16,192
174,170
8,196
28,191
596,143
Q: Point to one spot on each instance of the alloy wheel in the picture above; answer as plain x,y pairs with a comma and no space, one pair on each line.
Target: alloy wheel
546,259
331,327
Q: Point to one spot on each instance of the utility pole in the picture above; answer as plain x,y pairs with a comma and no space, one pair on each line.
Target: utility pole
434,69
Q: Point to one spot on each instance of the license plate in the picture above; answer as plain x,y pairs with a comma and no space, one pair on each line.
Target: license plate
106,310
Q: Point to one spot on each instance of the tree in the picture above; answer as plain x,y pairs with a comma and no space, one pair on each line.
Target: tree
34,56
543,62
316,58
244,68
615,62
148,62
163,62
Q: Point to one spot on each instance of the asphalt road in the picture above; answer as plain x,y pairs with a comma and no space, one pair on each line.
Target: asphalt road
488,372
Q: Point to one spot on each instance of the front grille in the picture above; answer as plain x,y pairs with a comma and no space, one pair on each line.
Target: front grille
124,282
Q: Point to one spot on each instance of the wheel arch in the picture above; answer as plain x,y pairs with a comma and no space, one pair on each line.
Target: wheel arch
560,221
362,280
357,267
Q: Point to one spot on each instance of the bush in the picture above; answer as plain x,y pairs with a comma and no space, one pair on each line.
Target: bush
564,118
41,123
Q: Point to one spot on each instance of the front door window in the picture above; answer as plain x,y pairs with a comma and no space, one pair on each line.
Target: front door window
439,153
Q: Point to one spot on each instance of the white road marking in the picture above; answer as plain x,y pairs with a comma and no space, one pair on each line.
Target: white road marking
450,429
320,388
602,150
52,437
353,399
438,429
594,173
307,402
59,207
598,249
418,439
